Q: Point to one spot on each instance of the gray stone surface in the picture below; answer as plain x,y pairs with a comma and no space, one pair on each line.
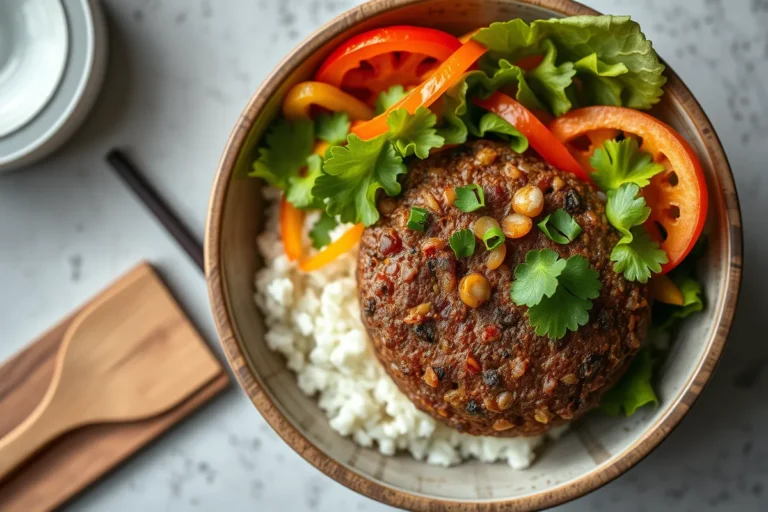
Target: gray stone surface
179,74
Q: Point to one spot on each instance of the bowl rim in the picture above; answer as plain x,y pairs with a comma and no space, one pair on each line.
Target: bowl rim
588,482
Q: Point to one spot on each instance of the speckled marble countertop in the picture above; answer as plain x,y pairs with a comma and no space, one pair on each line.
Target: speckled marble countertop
179,74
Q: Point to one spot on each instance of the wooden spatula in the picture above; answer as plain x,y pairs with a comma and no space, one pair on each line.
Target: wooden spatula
121,360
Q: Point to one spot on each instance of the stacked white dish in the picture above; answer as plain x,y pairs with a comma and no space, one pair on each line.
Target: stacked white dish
52,63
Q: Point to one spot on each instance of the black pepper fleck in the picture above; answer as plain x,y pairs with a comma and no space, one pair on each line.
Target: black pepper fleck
473,407
590,365
370,306
439,371
491,378
573,202
425,331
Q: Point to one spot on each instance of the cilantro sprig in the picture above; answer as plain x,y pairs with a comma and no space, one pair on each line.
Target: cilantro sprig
320,234
557,291
636,254
353,174
560,227
418,218
389,98
284,154
332,128
617,163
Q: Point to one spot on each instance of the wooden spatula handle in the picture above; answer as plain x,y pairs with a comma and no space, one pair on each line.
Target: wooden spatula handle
40,427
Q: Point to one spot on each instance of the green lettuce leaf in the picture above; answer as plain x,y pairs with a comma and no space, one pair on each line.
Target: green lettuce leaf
491,123
550,81
634,390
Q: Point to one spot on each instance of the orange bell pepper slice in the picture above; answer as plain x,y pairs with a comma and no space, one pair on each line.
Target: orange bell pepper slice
330,252
429,91
291,227
299,100
663,289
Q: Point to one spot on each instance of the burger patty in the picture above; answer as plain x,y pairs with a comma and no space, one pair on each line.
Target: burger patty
484,371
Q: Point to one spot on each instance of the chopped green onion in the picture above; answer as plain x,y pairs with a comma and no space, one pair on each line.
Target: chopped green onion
493,238
463,243
469,198
417,221
560,227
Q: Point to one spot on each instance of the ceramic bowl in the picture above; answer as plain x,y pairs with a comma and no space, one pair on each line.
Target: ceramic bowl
597,449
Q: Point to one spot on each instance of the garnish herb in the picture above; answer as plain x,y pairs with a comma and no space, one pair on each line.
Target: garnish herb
557,291
320,234
493,238
414,134
285,152
617,163
332,128
636,254
560,227
417,220
469,198
299,190
463,243
352,174
389,98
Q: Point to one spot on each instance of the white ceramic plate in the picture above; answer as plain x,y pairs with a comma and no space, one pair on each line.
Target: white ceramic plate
77,89
33,53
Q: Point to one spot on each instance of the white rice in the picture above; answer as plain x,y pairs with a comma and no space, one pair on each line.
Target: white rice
313,319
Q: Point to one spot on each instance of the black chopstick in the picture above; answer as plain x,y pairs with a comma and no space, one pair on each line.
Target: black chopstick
162,212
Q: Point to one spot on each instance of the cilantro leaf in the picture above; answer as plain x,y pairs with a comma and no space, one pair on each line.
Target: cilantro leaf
299,191
389,98
469,198
560,227
332,128
561,312
284,154
414,133
625,209
320,234
353,174
550,81
617,163
537,277
579,279
463,243
633,390
492,123
493,238
639,257
636,254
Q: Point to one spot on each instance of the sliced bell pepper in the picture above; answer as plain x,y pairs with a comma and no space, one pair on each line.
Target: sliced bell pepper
302,96
677,196
291,227
371,62
663,289
428,91
330,252
539,137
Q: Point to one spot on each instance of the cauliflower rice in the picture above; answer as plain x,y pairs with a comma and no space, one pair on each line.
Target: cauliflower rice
313,319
